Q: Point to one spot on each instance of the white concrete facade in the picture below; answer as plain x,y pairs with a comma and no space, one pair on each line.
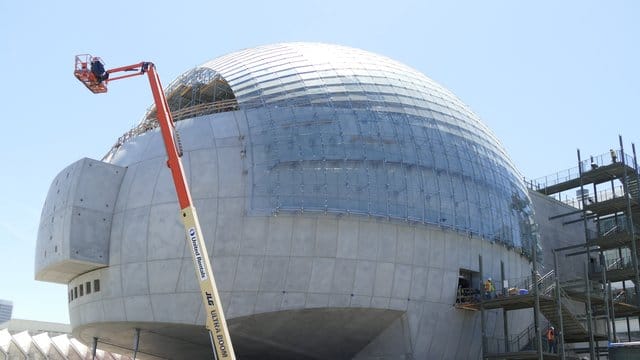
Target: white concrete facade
274,263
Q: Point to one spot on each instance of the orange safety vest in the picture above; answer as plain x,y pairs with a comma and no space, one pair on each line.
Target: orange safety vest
551,335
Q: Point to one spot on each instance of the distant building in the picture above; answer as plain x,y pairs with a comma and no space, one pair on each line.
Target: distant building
28,339
6,307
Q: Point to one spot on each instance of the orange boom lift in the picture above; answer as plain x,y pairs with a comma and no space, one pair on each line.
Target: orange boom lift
90,71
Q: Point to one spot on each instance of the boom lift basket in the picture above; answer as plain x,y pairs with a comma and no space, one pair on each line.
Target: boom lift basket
83,73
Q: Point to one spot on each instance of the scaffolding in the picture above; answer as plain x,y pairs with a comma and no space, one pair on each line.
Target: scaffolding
200,91
582,308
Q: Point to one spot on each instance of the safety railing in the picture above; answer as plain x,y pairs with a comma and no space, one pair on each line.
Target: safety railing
613,230
609,227
626,296
603,195
525,340
592,163
512,287
553,179
621,263
614,264
608,158
545,284
151,123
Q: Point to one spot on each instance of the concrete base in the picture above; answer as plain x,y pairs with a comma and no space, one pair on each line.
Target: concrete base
324,333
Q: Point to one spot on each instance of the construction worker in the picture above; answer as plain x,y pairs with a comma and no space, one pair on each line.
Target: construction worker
98,70
489,289
551,339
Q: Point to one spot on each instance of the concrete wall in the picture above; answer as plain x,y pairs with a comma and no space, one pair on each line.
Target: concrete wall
75,225
554,233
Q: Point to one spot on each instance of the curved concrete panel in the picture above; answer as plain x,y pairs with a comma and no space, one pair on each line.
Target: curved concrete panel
75,225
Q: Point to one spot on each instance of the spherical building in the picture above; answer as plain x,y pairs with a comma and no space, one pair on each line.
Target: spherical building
342,195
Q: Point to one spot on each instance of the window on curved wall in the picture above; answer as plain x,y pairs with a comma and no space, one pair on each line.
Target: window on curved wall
84,289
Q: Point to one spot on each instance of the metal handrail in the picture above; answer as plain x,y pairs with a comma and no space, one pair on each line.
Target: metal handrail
610,231
592,163
528,334
518,342
151,123
614,264
625,296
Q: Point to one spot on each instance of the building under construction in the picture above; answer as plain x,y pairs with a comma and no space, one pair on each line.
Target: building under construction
353,209
585,286
342,195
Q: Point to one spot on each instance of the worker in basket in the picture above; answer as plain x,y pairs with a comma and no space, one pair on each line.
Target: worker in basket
97,68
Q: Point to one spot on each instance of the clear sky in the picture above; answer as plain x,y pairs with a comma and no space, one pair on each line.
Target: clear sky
547,77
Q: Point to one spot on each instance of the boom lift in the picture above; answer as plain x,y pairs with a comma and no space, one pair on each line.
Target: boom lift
90,71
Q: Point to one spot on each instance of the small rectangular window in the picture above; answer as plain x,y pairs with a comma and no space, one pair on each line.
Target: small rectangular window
96,285
75,292
81,290
88,286
70,295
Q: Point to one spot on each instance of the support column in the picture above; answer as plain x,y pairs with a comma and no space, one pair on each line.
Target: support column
482,314
95,348
136,342
603,264
505,322
536,295
613,314
630,225
631,228
588,310
560,335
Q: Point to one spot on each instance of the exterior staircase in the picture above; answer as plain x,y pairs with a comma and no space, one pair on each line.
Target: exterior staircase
574,330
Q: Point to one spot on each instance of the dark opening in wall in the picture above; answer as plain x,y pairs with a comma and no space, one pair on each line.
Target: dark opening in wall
201,91
469,284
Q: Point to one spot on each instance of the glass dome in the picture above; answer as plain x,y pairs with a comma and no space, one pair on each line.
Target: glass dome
341,130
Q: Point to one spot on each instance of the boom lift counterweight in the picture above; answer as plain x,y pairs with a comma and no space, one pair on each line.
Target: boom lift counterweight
216,323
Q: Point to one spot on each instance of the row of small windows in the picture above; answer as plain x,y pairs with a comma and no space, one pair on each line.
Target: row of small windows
83,289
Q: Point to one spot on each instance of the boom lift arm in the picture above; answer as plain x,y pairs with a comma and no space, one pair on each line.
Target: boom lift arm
216,323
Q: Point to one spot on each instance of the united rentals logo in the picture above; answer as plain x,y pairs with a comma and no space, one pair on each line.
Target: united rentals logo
196,253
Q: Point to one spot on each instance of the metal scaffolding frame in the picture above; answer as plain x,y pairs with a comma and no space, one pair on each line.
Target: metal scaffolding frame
613,213
200,91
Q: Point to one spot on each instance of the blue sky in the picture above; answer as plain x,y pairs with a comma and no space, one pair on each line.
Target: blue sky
547,77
